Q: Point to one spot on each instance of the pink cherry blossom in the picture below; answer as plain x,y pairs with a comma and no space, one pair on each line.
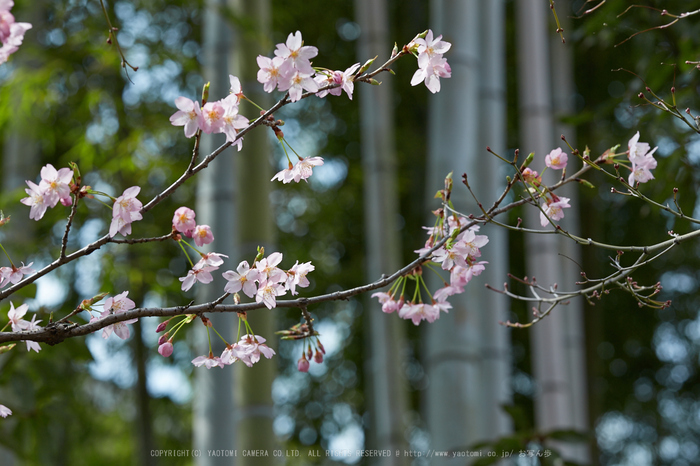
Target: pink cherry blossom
296,53
642,161
271,71
188,115
202,235
387,301
250,348
342,79
212,118
15,315
5,411
456,255
419,311
56,185
556,159
14,274
236,89
213,259
531,176
268,268
37,201
198,273
12,41
243,279
117,305
183,221
126,210
554,210
472,242
232,121
430,70
208,361
127,206
301,171
432,47
268,292
296,84
31,326
296,276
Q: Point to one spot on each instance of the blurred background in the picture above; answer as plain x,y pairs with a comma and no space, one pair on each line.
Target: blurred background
603,382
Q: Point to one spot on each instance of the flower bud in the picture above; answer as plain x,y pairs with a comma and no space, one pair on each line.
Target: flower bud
303,364
162,326
166,349
318,357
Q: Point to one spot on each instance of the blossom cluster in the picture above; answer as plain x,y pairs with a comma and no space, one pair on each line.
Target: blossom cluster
642,161
265,281
553,206
126,210
458,256
290,70
431,64
184,222
53,187
117,305
20,325
11,32
213,117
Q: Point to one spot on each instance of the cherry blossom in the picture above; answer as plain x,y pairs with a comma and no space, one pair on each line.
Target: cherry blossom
250,348
183,221
213,259
296,53
202,235
296,276
642,161
36,200
343,80
212,118
268,268
236,88
15,315
125,211
554,209
5,411
11,32
117,305
198,273
556,159
301,171
430,70
297,82
14,274
208,361
418,312
56,185
268,292
271,71
232,121
243,279
188,115
432,47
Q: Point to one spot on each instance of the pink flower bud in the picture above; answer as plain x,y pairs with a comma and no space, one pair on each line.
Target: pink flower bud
163,338
162,326
318,357
303,364
166,349
66,201
309,353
